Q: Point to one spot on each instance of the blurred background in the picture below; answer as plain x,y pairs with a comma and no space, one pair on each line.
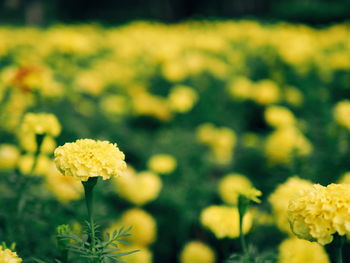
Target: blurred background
41,12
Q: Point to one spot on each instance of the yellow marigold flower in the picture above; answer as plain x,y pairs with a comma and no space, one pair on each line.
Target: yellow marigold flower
143,255
9,155
182,98
280,198
197,252
341,113
114,105
89,158
223,221
241,88
26,162
144,227
266,92
231,186
162,163
64,188
284,142
279,116
294,250
320,212
138,188
8,256
293,96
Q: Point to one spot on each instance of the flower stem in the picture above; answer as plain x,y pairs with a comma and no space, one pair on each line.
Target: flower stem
88,189
241,234
339,248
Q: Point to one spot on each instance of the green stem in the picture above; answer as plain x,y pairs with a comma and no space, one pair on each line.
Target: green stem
241,234
339,248
88,189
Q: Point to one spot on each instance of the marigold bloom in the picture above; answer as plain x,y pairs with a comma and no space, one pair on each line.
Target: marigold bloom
9,155
278,116
341,113
89,158
197,252
162,163
143,255
266,92
320,212
144,227
8,256
294,250
223,221
138,188
280,198
293,96
231,186
182,98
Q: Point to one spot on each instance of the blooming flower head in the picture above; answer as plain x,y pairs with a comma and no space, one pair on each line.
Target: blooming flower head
266,92
8,256
144,227
280,198
87,158
9,155
162,163
278,116
341,113
232,185
320,212
223,221
182,98
294,250
197,252
138,188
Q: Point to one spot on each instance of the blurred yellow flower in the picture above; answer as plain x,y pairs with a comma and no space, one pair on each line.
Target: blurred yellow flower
293,96
332,202
162,163
182,98
283,143
294,250
341,113
144,227
89,158
9,155
345,179
223,221
138,188
266,92
279,116
114,105
241,88
8,256
280,198
197,252
26,163
143,255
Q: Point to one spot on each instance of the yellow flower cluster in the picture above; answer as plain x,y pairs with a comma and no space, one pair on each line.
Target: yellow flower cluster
144,227
223,221
341,113
143,255
87,158
220,140
138,188
8,256
279,117
197,252
9,155
162,163
294,250
280,198
320,212
182,98
232,185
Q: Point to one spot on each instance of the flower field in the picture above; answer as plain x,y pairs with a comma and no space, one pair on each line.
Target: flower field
230,131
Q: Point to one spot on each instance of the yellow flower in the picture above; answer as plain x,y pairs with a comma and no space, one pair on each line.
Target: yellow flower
223,221
283,143
241,88
9,155
140,188
162,163
294,250
320,212
89,158
26,162
143,255
279,117
345,179
182,98
266,92
341,113
114,105
197,252
64,188
231,186
293,96
144,227
280,198
8,256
